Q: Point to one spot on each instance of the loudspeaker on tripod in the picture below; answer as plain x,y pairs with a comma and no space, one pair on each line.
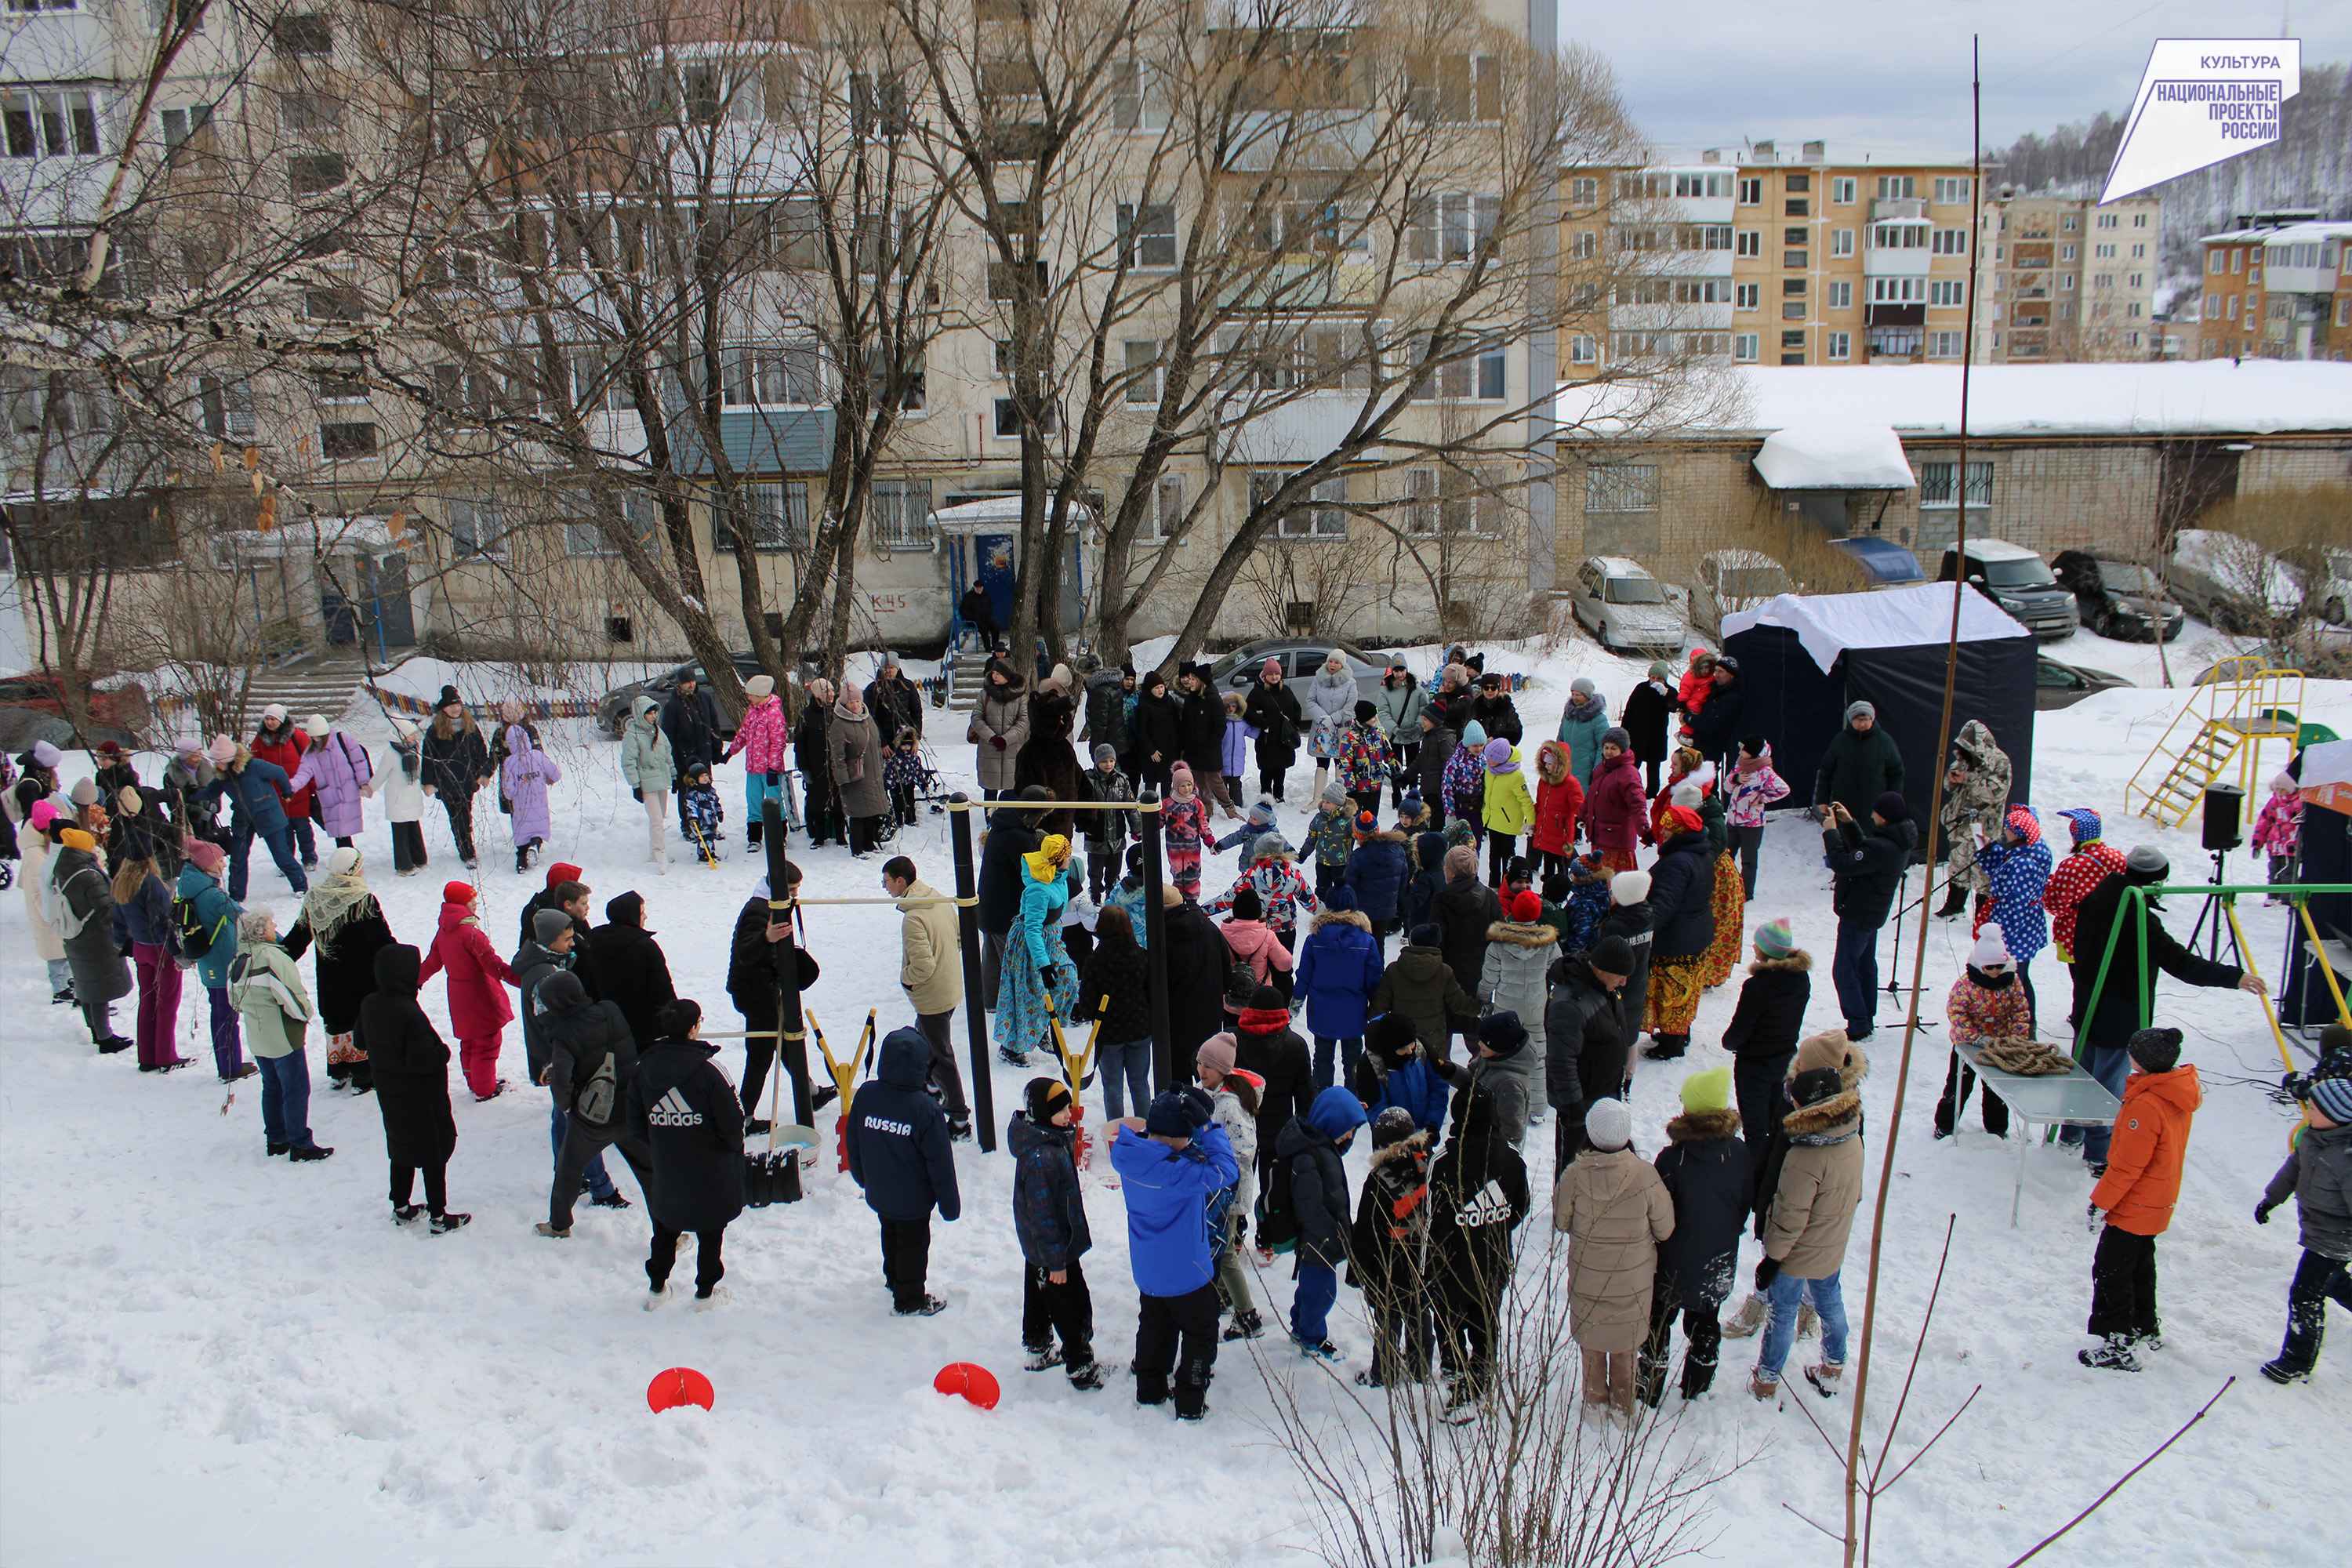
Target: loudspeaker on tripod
2224,804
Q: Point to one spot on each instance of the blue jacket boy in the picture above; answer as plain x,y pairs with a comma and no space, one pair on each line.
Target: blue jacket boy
1168,1193
898,1136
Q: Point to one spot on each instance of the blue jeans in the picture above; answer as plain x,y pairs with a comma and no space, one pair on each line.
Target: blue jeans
1348,1049
1310,1303
599,1185
2110,1065
1781,1329
1124,1070
281,849
286,1099
1854,971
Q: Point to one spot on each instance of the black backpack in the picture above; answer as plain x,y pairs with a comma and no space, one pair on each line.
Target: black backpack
195,939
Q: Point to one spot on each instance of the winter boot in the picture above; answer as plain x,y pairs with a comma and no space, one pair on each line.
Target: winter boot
1809,1322
1750,1319
719,1297
1826,1379
112,1044
959,1129
826,1093
755,1126
523,859
443,1224
1665,1048
2114,1354
658,1296
1011,1058
1042,1358
279,1148
752,832
1321,1350
1956,901
1765,1390
1087,1378
406,1214
65,995
1650,1379
2278,1372
315,1151
1245,1326
543,1228
931,1308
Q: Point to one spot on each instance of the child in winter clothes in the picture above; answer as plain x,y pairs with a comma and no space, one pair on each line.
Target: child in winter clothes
1986,1003
1391,1075
1704,1167
524,775
2091,861
1339,970
1235,754
896,1138
1477,1196
1420,986
1385,1247
1049,1214
2137,1197
1330,834
1183,828
143,921
1697,683
1175,1167
1234,1101
1106,831
902,775
1314,1184
1362,760
701,818
1502,1069
1506,809
1378,869
1519,952
1128,896
2278,831
266,989
1464,782
1281,887
1254,943
2320,1176
1753,786
1425,855
2018,868
1616,1211
1766,1025
479,1009
1588,902
1559,802
1258,824
1116,993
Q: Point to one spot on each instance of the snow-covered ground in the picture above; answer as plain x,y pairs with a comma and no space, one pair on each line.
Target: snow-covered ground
211,1357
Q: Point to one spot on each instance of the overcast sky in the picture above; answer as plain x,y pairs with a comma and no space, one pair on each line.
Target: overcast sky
1891,78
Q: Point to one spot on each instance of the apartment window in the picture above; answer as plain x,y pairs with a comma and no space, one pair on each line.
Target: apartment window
2131,312
1702,237
2065,253
2237,261
1625,346
1750,242
772,516
1840,296
1897,188
226,407
1898,236
1142,358
1950,192
2107,220
596,384
1794,339
2233,307
1949,242
1796,236
311,111
308,33
2212,262
1947,291
2103,253
2344,312
1936,479
1797,206
639,514
1148,234
51,122
902,514
2140,252
1796,259
1583,191
1798,183
1841,242
1842,191
332,305
1743,347
1581,351
179,124
1702,292
1323,515
347,442
1744,296
1167,512
1702,184
1706,345
1453,88
477,527
1008,418
2071,222
879,105
1841,345
1793,310
1134,105
1899,290
787,372
1611,488
2102,281
1751,193
345,386
1792,286
1943,345
1583,244
308,173
1456,228
2212,311
2066,281
1634,237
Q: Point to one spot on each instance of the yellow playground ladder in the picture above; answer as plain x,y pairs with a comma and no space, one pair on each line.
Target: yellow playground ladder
2221,731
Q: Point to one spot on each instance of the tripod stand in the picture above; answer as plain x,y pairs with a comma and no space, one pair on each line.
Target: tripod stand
1894,987
2212,911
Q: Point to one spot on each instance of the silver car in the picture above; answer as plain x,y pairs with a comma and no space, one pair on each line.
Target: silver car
1625,609
1729,581
1301,659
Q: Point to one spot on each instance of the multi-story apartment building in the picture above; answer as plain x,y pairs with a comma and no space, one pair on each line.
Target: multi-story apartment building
2065,280
2277,285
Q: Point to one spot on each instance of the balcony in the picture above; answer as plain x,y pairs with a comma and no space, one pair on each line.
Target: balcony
1898,210
1896,316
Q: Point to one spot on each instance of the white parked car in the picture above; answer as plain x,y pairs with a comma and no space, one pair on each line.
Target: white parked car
1729,581
1625,609
2233,583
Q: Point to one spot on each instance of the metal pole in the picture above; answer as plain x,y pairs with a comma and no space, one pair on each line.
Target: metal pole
1155,956
791,1038
975,1004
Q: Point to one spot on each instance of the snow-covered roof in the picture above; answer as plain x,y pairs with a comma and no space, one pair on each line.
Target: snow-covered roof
1829,624
1835,457
2179,397
2282,233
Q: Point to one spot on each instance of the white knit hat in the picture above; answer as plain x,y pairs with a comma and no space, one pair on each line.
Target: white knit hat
1629,886
317,726
759,687
1686,793
275,713
1608,1124
1991,950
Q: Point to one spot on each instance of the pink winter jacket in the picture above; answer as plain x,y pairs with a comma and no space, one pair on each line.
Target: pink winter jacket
1254,943
764,736
2279,828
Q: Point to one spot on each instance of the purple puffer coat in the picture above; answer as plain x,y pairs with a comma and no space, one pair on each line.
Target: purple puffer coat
525,775
337,766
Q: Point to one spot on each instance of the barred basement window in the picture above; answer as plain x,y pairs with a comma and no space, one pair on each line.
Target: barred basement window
1621,487
775,515
1936,484
902,514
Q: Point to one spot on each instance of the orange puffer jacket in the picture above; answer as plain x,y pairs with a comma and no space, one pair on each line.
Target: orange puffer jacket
2143,1178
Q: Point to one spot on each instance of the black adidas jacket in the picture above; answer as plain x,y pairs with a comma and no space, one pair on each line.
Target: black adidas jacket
681,1104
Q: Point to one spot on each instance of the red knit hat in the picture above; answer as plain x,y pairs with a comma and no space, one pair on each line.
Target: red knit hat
457,892
1527,908
561,871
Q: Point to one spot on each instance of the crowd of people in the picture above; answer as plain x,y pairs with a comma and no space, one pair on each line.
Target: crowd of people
1510,1001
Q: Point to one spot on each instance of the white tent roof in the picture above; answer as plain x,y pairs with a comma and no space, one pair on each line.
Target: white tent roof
1835,458
1829,624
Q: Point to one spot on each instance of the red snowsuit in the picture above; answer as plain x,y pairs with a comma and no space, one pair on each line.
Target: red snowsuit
479,1009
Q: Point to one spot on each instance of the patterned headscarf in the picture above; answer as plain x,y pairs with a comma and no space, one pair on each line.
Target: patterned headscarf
2023,823
2082,823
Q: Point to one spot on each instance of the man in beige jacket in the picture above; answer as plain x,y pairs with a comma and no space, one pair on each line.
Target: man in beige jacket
1813,1213
932,969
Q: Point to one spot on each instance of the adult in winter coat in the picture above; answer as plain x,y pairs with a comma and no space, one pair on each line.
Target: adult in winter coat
1716,728
1011,833
591,1057
1201,735
2136,1194
631,970
897,1139
1329,706
1378,869
1815,1191
1115,996
682,1108
1648,708
33,883
1399,706
144,922
1859,766
185,778
1477,1196
399,776
479,1009
690,720
267,990
1046,757
1037,962
1420,985
1317,1199
1706,1170
340,770
1766,1025
855,745
2318,1176
2113,1009
1265,1044
213,914
1681,895
894,699
763,739
1155,733
2016,869
931,974
1583,724
1106,704
341,918
998,729
1502,1068
282,744
84,901
811,754
2090,861
1173,1167
1865,873
754,955
1272,709
1049,1219
411,1064
1521,950
1616,1211
1616,807
1198,963
457,761
1339,970
1629,916
649,768
1559,802
1439,741
1465,909
256,810
1493,711
1584,1039
1975,795
525,775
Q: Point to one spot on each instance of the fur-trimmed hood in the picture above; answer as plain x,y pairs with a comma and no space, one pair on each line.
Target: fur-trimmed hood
1697,1126
1551,752
1838,1109
1799,962
1356,918
1392,836
1519,935
1403,1149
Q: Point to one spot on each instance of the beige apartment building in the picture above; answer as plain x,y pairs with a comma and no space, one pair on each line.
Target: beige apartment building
2276,286
2063,280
